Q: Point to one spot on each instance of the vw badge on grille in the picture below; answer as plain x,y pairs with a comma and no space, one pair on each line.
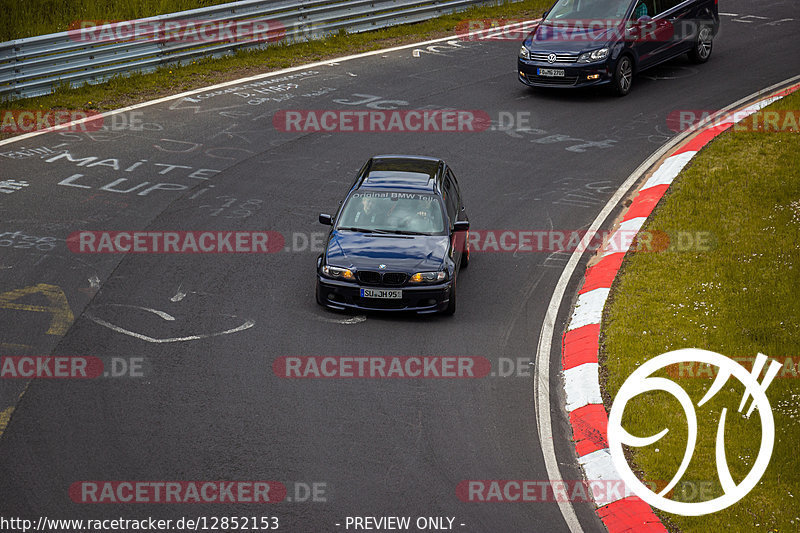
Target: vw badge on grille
551,58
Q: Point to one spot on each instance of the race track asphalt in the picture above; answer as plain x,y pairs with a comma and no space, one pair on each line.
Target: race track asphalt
212,408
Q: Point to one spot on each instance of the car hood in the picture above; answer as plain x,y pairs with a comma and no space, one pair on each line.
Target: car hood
400,253
570,38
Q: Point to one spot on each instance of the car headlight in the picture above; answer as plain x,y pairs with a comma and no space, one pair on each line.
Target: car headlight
591,57
337,273
428,277
524,53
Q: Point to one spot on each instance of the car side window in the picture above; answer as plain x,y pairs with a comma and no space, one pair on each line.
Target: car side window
453,179
644,8
666,5
564,8
450,198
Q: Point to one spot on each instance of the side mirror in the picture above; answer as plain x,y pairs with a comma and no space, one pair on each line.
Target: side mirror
461,225
326,219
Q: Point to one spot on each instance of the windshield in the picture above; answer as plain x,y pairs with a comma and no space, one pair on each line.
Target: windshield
587,9
393,212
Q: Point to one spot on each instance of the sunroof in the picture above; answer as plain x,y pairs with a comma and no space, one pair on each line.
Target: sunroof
417,166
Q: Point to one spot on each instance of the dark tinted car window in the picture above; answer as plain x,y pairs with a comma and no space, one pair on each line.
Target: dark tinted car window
644,8
392,211
587,9
453,179
450,198
664,5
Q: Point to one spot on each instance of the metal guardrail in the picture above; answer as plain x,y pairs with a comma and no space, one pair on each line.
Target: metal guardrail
38,65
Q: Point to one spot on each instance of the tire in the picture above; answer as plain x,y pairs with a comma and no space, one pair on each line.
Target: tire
465,257
623,76
703,45
451,306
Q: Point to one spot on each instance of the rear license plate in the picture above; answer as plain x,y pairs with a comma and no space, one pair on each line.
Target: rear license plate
392,294
551,72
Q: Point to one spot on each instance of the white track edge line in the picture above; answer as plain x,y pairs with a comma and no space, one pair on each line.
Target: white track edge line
327,62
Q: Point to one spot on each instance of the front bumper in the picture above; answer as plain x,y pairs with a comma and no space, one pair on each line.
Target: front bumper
343,295
575,75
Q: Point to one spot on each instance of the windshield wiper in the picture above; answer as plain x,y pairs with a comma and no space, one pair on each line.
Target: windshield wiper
407,232
364,230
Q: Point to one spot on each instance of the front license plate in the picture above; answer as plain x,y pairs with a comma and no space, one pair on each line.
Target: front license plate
392,294
551,72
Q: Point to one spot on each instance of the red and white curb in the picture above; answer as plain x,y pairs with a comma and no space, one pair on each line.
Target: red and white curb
580,342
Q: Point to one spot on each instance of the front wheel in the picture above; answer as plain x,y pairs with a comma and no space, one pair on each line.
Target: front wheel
623,76
703,45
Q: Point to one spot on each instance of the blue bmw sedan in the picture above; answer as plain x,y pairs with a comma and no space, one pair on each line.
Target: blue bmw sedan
398,240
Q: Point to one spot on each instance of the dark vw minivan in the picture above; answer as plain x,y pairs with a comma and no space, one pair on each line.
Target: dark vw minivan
593,42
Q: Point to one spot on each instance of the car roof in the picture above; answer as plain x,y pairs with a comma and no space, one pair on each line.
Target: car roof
403,172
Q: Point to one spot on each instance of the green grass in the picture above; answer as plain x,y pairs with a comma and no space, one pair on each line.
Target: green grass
738,298
127,90
39,17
